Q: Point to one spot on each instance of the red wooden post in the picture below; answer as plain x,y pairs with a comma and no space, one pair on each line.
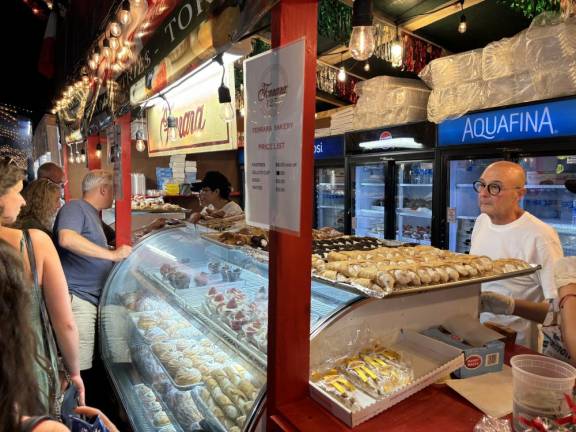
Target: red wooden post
94,162
66,171
123,207
290,262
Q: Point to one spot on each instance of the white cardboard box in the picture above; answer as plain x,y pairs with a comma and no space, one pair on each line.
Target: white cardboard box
431,360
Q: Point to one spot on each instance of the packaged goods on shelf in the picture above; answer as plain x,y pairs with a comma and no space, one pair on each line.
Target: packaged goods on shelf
386,101
536,64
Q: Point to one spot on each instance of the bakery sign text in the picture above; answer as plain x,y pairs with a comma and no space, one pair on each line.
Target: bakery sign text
188,123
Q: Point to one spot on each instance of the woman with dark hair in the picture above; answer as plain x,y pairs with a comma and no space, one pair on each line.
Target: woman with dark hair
215,197
42,204
52,288
19,390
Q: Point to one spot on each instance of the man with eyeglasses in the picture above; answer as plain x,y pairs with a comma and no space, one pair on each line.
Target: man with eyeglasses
506,230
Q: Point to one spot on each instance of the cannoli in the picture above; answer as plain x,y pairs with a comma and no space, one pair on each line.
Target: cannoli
337,385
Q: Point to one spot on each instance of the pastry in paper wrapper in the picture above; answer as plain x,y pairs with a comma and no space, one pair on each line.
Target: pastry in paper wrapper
337,385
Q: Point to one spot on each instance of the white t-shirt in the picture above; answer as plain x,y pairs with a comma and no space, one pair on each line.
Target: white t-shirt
230,209
529,239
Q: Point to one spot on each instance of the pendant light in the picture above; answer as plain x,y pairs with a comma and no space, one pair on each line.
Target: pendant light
362,43
342,71
140,144
367,67
124,13
106,48
227,112
83,156
115,29
396,51
99,151
463,26
70,154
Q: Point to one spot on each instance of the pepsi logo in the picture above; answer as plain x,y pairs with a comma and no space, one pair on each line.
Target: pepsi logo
473,362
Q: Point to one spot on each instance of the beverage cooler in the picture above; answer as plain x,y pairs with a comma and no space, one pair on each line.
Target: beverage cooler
540,136
390,182
329,179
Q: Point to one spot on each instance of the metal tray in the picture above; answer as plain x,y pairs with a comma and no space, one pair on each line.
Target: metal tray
213,238
173,422
413,290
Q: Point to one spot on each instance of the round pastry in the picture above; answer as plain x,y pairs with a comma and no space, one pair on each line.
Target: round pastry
146,322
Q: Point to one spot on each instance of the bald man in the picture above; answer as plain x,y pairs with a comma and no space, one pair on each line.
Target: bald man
52,172
505,230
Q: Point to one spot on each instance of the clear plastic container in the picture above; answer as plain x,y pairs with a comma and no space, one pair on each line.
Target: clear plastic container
539,386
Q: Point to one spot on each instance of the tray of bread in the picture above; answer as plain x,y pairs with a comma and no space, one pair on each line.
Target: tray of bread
387,271
256,238
222,224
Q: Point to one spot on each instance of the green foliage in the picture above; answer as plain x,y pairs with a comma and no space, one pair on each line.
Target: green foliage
531,8
334,21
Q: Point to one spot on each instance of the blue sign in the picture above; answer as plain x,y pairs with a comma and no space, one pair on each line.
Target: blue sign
537,121
329,147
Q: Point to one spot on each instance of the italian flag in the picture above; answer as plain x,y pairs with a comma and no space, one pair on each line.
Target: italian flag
46,63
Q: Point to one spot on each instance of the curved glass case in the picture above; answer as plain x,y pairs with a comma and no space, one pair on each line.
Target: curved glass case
183,325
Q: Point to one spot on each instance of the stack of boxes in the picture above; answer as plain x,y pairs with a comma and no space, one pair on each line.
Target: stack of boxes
178,163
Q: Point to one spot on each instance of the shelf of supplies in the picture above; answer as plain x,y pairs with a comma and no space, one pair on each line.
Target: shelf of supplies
330,184
331,207
561,227
414,213
416,184
372,184
370,213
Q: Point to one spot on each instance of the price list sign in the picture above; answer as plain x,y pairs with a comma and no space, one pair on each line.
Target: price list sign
274,101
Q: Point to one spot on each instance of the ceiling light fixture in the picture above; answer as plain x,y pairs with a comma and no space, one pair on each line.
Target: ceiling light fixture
124,13
227,111
342,71
99,151
396,50
362,43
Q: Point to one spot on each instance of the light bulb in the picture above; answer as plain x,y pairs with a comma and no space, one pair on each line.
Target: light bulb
362,42
99,151
114,44
172,128
71,158
227,112
124,13
367,67
463,26
78,159
83,157
396,52
106,48
96,55
140,144
115,29
92,64
342,74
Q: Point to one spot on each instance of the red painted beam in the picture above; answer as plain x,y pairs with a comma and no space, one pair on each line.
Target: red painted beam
94,162
290,262
123,207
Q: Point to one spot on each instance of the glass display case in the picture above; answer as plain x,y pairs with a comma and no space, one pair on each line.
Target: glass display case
330,197
183,325
368,206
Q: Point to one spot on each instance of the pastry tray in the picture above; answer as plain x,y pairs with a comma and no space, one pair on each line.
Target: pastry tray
367,292
204,410
213,238
173,422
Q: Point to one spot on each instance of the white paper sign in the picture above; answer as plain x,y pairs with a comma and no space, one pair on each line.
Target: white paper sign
274,101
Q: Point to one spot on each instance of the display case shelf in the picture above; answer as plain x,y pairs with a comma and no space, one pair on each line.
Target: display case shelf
414,213
415,184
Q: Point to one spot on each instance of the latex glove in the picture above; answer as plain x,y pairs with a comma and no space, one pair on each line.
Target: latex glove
565,271
495,303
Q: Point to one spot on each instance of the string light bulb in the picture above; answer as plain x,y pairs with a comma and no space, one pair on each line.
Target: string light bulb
83,156
70,155
99,151
114,44
124,13
342,74
106,48
362,43
226,109
367,67
96,55
115,29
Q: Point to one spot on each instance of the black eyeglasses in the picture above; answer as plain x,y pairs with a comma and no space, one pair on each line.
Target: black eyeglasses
493,188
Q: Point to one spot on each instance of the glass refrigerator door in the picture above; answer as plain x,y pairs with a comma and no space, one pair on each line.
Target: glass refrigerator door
463,209
414,202
368,185
548,199
330,198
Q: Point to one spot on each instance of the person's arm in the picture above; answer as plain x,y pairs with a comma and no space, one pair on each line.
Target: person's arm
74,242
568,318
57,299
505,305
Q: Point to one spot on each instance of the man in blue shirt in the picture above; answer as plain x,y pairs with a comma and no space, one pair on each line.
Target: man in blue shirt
85,255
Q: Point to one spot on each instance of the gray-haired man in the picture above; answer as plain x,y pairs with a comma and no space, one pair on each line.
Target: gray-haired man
85,255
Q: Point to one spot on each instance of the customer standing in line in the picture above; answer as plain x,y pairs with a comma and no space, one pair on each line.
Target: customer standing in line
87,259
505,230
42,205
52,285
53,172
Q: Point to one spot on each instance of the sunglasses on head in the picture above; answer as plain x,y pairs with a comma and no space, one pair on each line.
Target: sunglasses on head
7,161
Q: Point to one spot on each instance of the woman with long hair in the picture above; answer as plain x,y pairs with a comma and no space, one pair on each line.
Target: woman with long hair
19,390
53,288
42,203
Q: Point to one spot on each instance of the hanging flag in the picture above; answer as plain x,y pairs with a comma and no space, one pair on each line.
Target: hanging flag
46,63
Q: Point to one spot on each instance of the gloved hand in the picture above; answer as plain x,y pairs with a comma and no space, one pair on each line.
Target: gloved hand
565,271
495,303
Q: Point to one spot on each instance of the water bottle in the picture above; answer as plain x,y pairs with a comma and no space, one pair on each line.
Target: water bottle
573,212
416,179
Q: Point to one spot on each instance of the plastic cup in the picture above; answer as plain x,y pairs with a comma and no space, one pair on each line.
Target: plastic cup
539,386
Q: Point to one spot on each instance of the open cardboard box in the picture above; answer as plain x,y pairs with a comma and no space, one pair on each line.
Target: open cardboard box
430,359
